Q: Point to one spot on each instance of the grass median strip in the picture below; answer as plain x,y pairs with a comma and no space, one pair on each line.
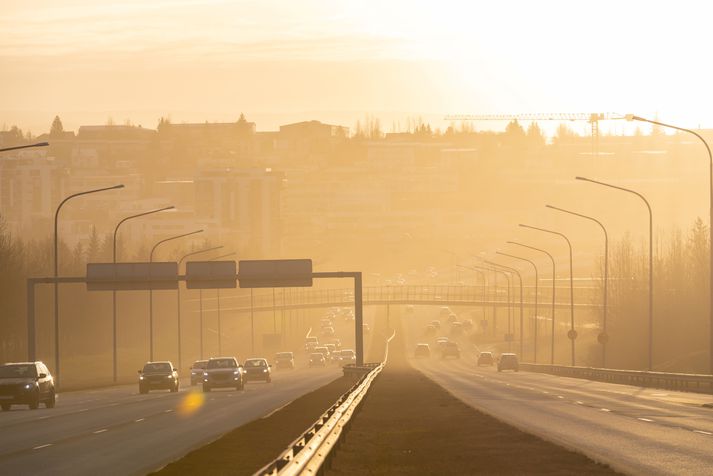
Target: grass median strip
251,446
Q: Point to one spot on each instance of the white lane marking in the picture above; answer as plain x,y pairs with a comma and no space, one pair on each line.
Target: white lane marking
579,403
42,446
702,432
83,410
137,421
167,411
645,419
43,417
113,404
560,396
605,409
545,391
100,431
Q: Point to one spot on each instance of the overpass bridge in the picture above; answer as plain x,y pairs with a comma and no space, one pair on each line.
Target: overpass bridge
426,295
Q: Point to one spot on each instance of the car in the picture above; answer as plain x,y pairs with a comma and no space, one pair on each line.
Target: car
422,350
197,370
311,342
328,331
468,324
486,358
257,369
284,360
452,318
333,353
159,375
316,359
508,361
450,349
26,383
441,341
346,357
436,323
445,311
222,372
324,351
456,328
337,343
430,330
326,323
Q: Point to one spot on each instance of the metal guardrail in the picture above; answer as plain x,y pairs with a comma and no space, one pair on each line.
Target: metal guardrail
700,383
308,453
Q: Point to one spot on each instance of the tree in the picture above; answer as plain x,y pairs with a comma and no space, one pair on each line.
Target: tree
534,135
56,129
94,246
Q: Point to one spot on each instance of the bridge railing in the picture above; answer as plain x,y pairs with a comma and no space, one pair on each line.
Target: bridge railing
410,294
700,383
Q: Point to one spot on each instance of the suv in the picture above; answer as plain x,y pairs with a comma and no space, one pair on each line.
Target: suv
316,359
223,372
158,375
284,360
26,383
485,358
346,357
451,349
257,369
508,362
197,370
422,350
310,343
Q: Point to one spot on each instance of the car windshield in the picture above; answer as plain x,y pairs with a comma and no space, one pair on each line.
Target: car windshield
347,353
252,363
200,364
284,355
316,356
222,364
508,358
154,367
18,371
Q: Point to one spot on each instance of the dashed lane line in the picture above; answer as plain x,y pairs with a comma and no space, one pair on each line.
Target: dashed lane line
648,420
702,432
42,446
139,420
100,431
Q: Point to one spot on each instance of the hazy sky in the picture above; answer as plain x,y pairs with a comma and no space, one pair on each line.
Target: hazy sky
337,60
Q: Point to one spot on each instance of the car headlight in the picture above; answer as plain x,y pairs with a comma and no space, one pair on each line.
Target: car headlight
141,377
264,370
237,372
29,386
169,376
205,374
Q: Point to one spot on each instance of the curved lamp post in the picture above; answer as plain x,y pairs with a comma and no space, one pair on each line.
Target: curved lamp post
113,293
56,268
603,338
552,338
572,334
519,276
651,260
534,266
151,288
631,117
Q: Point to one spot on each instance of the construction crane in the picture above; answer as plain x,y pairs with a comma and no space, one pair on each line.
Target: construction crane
592,118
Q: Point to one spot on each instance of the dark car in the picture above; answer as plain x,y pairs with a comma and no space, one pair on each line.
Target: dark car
158,376
450,349
422,350
257,369
197,370
485,358
316,359
508,362
223,372
284,360
346,357
26,383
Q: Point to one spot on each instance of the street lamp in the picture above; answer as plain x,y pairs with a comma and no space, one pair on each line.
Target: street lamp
603,337
552,338
484,287
178,303
631,117
56,270
519,276
572,334
151,287
651,260
534,266
113,293
220,347
39,144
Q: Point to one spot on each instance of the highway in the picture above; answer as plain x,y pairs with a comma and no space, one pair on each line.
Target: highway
635,430
118,431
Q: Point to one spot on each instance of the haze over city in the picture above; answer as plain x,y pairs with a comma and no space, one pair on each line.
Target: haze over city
333,237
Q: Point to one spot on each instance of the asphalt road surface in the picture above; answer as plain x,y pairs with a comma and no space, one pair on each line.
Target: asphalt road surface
118,431
635,430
